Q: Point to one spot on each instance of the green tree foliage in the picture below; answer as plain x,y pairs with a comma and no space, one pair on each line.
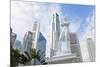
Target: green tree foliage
36,55
14,57
17,58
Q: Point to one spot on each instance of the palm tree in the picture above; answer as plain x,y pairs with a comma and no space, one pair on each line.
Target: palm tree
17,58
35,54
14,57
23,59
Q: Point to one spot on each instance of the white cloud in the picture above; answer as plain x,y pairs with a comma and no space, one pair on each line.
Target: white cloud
75,25
89,32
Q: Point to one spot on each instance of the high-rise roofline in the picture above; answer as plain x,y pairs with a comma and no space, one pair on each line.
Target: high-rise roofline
65,22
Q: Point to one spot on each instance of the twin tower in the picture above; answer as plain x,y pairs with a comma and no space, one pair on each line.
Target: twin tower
59,37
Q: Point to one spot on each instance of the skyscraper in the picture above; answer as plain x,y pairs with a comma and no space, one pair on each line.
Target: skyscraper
75,47
55,33
41,47
91,49
27,45
35,37
12,38
27,41
18,45
39,43
64,36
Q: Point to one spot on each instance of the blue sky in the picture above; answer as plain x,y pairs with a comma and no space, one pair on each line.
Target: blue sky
23,15
78,13
77,10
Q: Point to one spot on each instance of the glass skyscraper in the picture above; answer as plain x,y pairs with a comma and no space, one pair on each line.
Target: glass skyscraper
27,41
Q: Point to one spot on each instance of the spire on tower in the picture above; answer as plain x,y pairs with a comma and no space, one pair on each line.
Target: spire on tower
65,23
65,19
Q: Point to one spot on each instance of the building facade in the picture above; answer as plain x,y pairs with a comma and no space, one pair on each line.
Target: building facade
41,47
39,43
71,52
91,49
13,37
27,41
55,33
64,37
18,45
35,40
35,31
75,47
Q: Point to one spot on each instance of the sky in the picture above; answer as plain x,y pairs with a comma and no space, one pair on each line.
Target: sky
80,17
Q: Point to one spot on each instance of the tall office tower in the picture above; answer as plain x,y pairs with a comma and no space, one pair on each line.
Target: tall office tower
41,47
64,37
18,45
55,33
35,31
91,49
75,47
12,38
38,43
27,41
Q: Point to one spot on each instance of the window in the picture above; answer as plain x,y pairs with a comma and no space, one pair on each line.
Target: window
34,34
34,27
